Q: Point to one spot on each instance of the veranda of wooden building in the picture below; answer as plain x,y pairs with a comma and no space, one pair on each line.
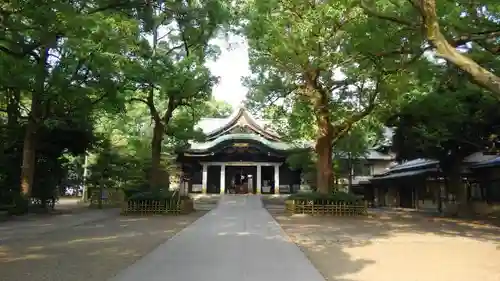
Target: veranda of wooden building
241,154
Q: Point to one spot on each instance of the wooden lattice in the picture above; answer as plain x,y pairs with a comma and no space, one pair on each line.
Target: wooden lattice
325,207
157,207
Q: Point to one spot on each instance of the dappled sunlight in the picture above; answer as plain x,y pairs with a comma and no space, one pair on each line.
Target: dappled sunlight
389,227
162,231
114,251
372,248
92,250
36,248
8,258
133,219
7,255
93,239
15,226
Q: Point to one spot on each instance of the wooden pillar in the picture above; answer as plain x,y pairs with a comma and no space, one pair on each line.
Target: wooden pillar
222,179
416,197
204,179
277,179
259,179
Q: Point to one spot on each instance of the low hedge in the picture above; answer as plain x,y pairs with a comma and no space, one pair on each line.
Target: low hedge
343,197
157,203
151,195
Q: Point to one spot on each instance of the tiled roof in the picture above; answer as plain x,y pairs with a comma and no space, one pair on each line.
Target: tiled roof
426,165
370,155
210,125
414,164
479,157
201,146
404,174
489,163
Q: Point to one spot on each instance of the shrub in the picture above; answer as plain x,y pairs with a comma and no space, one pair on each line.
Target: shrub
20,207
335,197
154,195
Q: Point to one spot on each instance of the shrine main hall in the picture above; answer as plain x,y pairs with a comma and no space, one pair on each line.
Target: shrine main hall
241,154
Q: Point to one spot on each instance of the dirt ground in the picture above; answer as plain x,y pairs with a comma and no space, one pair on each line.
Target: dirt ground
394,248
93,250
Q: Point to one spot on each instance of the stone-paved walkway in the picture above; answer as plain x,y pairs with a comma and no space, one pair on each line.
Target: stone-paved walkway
239,240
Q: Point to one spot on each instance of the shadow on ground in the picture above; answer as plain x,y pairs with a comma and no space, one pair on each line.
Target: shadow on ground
391,246
90,251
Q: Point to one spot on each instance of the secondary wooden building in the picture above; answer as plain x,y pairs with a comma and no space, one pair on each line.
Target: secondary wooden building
420,184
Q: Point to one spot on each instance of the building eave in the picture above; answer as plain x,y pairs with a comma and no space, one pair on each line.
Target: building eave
209,146
241,118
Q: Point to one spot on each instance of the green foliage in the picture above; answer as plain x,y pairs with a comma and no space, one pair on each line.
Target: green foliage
318,68
20,205
288,39
168,74
217,109
463,33
449,124
155,195
305,161
68,71
336,197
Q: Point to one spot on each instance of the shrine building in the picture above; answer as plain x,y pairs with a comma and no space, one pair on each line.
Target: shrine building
240,154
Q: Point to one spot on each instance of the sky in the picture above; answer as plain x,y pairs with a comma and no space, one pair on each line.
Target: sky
231,66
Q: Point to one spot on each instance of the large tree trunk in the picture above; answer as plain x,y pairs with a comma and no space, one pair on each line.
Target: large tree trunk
444,49
30,138
29,157
156,149
460,189
324,149
324,177
456,184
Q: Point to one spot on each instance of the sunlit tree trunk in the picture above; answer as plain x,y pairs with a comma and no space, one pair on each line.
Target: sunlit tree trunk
30,138
324,149
156,149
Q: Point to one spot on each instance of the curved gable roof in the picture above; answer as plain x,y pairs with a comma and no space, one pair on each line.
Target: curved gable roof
205,146
215,127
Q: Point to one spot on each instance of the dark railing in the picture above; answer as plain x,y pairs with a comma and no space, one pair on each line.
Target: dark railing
172,205
326,207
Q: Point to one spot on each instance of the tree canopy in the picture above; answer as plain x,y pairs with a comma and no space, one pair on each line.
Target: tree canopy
74,72
320,66
124,82
448,124
464,33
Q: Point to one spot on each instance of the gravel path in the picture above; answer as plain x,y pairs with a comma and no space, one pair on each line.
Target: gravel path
92,250
395,248
237,241
30,226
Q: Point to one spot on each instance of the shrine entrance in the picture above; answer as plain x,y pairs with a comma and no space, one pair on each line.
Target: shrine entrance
241,179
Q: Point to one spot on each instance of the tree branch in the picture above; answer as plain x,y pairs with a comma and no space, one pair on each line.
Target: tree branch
169,112
150,105
372,12
25,50
343,128
99,99
445,50
119,5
